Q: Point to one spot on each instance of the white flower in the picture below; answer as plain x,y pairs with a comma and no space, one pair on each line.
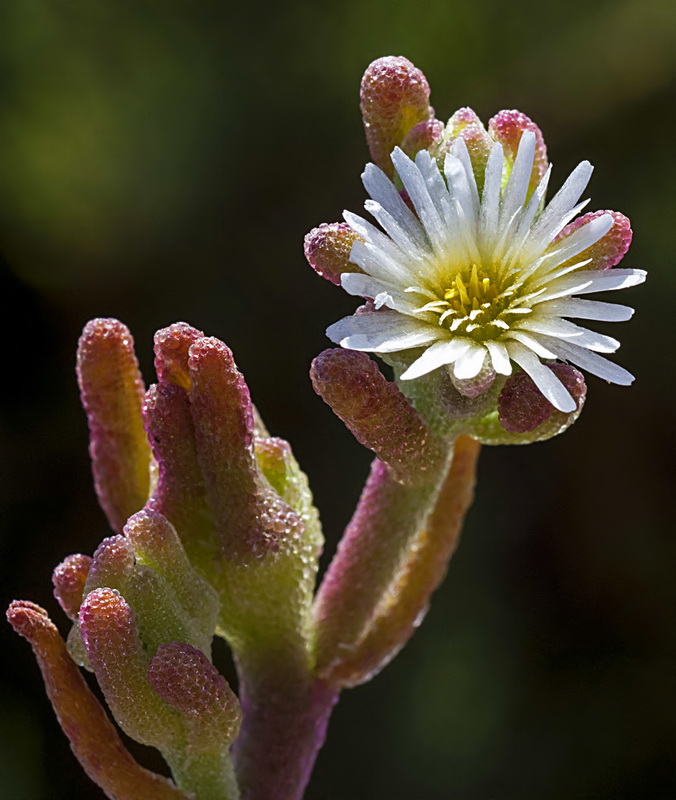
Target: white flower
481,281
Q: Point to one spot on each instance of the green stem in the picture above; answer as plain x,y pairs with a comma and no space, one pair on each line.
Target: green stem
206,776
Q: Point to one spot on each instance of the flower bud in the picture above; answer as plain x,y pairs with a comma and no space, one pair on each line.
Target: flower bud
394,97
507,128
610,249
327,250
523,408
426,135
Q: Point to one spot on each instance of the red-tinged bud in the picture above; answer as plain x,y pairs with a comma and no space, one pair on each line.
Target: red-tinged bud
523,408
394,97
93,738
507,128
610,249
223,416
112,564
463,118
327,250
115,652
69,581
478,385
377,413
112,392
171,353
426,135
185,678
466,125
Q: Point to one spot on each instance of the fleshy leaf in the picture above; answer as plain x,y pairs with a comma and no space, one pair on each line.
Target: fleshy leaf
171,353
93,737
157,546
112,392
118,659
375,546
185,678
180,493
377,413
69,579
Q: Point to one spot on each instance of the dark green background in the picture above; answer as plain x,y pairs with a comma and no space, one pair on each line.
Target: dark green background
161,161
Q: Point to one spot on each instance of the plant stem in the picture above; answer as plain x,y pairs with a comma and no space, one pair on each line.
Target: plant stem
375,547
206,776
283,729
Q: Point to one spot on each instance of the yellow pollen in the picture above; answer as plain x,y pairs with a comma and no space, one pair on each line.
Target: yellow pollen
469,293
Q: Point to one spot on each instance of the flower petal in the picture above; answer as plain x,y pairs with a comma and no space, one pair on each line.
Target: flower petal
439,354
381,332
519,179
383,191
499,357
415,185
591,309
561,328
609,250
591,362
469,364
553,218
543,377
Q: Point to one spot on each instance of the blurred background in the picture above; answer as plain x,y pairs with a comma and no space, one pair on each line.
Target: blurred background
161,161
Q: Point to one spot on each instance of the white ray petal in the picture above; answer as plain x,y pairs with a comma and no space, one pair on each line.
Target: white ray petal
415,185
543,377
580,239
588,281
383,191
460,191
592,362
591,309
561,328
435,185
490,202
439,354
519,179
360,285
381,332
549,223
384,294
530,342
377,263
396,231
500,358
363,228
469,364
460,151
534,203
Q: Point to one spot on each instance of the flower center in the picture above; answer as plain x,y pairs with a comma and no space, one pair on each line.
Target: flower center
474,304
472,294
